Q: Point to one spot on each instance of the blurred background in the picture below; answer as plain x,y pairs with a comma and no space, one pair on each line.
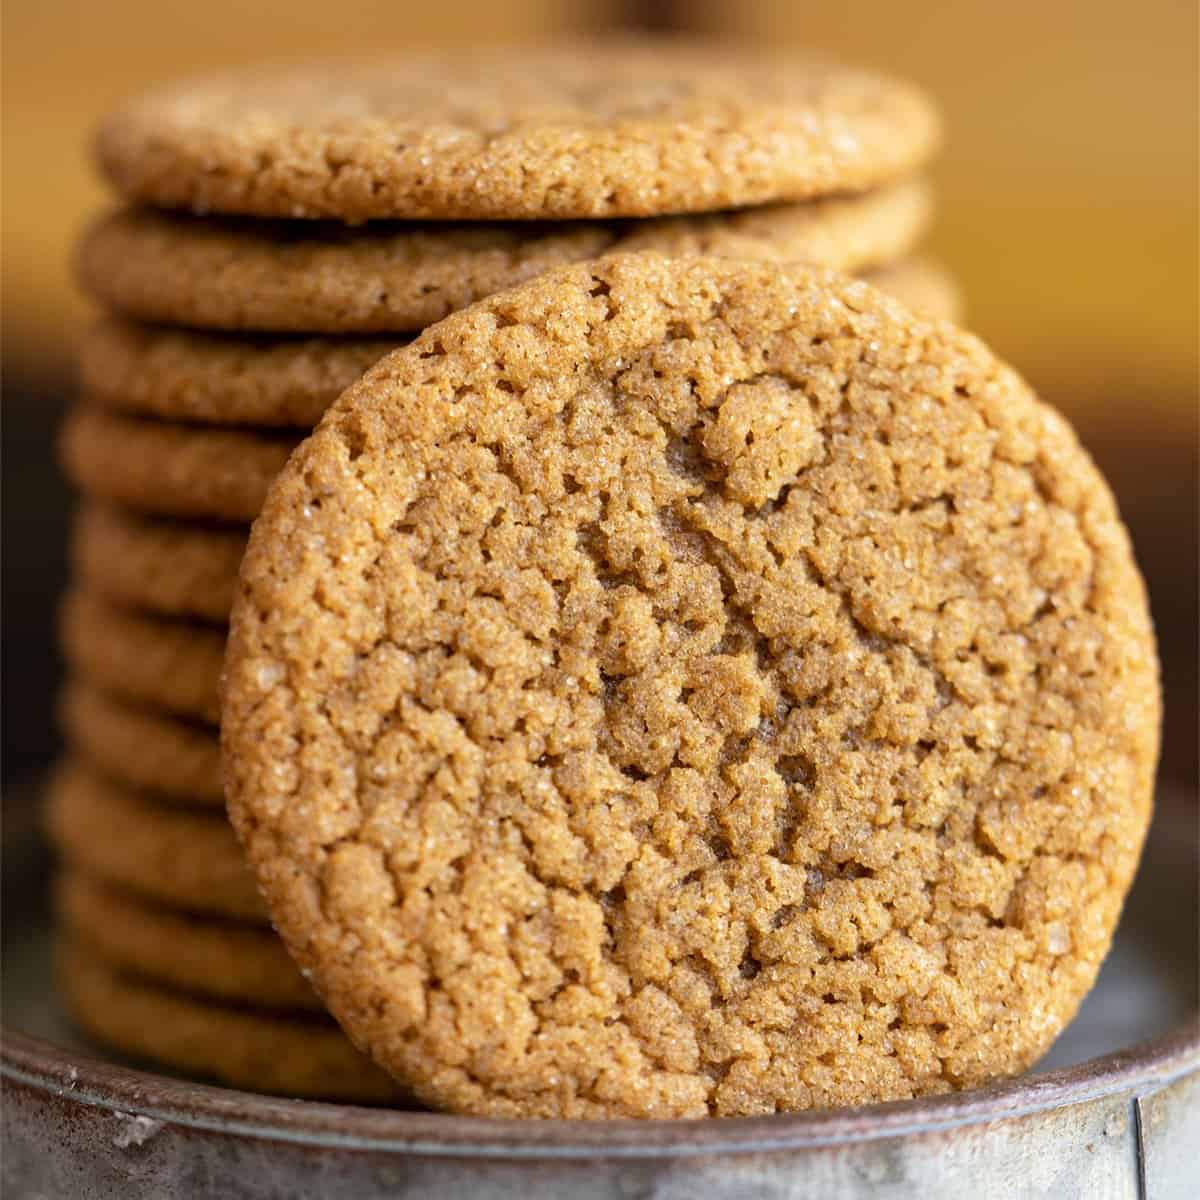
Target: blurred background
1068,210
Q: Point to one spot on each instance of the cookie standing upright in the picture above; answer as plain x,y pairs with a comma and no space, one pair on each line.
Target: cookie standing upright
689,688
606,129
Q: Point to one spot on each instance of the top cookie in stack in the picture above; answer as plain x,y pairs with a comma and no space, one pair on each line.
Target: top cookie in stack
287,228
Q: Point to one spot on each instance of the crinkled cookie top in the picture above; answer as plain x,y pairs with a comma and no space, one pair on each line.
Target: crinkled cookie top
683,688
598,129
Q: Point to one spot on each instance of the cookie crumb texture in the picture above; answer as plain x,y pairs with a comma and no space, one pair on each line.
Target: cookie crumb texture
674,689
625,128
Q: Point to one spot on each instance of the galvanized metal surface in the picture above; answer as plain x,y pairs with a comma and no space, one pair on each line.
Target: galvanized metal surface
1123,1124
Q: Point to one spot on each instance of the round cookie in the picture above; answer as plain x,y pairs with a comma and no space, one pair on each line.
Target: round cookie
215,379
228,960
239,1047
625,128
323,278
180,375
678,688
143,659
169,470
186,858
922,284
142,748
177,568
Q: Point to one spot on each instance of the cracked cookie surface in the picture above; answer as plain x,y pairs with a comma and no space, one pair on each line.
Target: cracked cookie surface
690,688
618,128
203,379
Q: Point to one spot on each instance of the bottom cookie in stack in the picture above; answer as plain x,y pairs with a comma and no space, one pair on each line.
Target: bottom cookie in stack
166,955
239,1046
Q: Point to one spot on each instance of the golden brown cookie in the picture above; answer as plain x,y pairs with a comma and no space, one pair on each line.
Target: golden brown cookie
198,377
681,688
325,278
258,1051
922,284
228,960
185,858
142,747
171,470
626,128
146,660
177,568
180,375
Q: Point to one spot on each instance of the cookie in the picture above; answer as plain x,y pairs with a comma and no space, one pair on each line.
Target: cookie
626,128
678,688
185,858
142,748
223,380
314,278
177,568
227,960
171,470
239,1047
181,375
922,284
143,659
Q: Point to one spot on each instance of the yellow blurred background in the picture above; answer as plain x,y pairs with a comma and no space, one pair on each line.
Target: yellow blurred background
1068,208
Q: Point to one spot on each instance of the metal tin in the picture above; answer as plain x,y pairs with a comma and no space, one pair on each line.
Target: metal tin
1121,1124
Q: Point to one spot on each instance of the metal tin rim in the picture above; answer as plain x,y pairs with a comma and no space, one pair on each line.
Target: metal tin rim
41,1066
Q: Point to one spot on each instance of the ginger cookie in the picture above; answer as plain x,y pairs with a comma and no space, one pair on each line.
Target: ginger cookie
171,470
147,660
625,128
177,568
181,375
222,380
678,688
302,277
258,1051
186,858
176,759
228,960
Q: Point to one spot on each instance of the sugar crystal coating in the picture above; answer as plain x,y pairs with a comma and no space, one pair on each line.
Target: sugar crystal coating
692,688
624,128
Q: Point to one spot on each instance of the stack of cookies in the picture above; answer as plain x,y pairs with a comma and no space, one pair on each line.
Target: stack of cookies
286,230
